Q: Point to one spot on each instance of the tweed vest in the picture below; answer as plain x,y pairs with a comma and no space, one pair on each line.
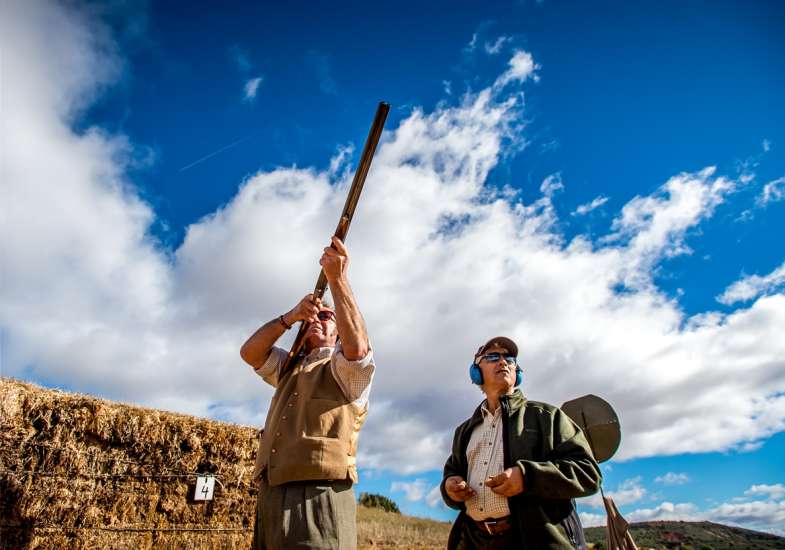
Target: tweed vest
311,429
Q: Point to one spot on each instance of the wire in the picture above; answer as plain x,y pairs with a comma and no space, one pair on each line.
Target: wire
127,528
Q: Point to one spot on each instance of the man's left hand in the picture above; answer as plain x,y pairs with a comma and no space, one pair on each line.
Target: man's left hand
335,260
508,483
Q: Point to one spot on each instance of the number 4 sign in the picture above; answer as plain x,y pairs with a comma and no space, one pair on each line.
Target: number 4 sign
204,488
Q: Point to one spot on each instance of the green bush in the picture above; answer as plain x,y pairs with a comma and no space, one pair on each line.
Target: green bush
370,500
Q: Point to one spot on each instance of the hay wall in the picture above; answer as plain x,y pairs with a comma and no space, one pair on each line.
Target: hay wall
81,472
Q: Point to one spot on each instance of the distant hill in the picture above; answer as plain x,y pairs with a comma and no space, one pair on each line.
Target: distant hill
379,529
684,535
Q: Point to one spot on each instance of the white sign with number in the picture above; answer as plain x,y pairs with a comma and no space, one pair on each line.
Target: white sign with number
204,488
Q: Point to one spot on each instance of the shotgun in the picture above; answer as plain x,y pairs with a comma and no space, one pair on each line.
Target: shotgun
346,216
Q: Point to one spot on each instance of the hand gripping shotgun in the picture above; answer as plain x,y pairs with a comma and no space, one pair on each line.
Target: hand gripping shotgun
346,216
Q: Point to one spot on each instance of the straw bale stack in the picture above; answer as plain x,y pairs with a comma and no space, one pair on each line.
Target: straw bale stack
81,472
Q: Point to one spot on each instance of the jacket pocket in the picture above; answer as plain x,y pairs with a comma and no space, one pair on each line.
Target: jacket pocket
324,418
574,531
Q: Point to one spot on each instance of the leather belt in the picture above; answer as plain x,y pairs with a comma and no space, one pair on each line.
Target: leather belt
494,526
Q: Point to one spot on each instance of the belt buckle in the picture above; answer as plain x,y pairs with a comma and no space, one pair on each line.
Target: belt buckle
487,523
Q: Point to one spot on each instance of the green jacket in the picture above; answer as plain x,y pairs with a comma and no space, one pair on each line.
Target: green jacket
557,463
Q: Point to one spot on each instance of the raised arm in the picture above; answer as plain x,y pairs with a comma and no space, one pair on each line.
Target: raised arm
351,325
257,348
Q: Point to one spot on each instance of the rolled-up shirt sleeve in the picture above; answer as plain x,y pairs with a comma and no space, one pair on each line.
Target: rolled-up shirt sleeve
354,377
271,368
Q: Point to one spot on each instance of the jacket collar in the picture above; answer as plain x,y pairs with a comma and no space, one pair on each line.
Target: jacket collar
514,402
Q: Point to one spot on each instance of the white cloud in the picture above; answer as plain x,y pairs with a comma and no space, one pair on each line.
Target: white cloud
339,163
767,516
496,47
440,262
673,478
521,68
251,88
593,520
447,86
752,286
551,185
745,216
766,145
773,191
415,490
584,209
666,511
628,492
773,492
655,227
434,497
472,45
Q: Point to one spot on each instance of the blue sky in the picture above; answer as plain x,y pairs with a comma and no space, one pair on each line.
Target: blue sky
601,181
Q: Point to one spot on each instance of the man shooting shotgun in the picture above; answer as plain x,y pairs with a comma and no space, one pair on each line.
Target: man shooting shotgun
305,463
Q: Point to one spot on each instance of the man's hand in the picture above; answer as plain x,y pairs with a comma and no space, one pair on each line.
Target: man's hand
457,489
508,483
305,310
335,260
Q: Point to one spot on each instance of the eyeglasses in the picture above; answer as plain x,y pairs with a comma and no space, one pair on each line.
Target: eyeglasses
495,356
326,315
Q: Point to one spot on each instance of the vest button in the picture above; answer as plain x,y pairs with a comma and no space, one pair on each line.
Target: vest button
283,417
278,434
291,404
295,394
273,451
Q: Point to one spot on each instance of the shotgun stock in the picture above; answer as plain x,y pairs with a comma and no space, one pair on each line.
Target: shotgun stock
346,216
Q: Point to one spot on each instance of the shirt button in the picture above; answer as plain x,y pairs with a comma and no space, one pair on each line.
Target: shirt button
481,509
486,462
481,484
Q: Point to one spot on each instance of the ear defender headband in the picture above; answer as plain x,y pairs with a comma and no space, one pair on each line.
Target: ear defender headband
475,373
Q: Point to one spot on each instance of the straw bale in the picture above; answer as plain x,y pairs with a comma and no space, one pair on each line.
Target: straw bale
81,472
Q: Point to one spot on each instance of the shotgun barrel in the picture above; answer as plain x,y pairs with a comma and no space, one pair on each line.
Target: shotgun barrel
348,213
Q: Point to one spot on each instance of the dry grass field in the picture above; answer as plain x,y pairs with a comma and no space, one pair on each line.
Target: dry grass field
379,529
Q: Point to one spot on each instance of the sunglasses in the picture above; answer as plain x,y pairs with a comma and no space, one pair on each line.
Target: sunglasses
326,315
496,356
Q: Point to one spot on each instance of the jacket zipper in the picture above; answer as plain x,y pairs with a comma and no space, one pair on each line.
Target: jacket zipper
568,527
508,460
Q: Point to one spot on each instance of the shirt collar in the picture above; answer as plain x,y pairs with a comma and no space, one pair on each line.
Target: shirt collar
486,413
318,353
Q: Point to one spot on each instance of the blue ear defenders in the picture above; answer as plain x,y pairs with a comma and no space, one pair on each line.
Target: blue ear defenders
476,374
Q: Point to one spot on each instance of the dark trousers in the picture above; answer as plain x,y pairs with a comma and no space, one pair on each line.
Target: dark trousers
305,514
474,537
